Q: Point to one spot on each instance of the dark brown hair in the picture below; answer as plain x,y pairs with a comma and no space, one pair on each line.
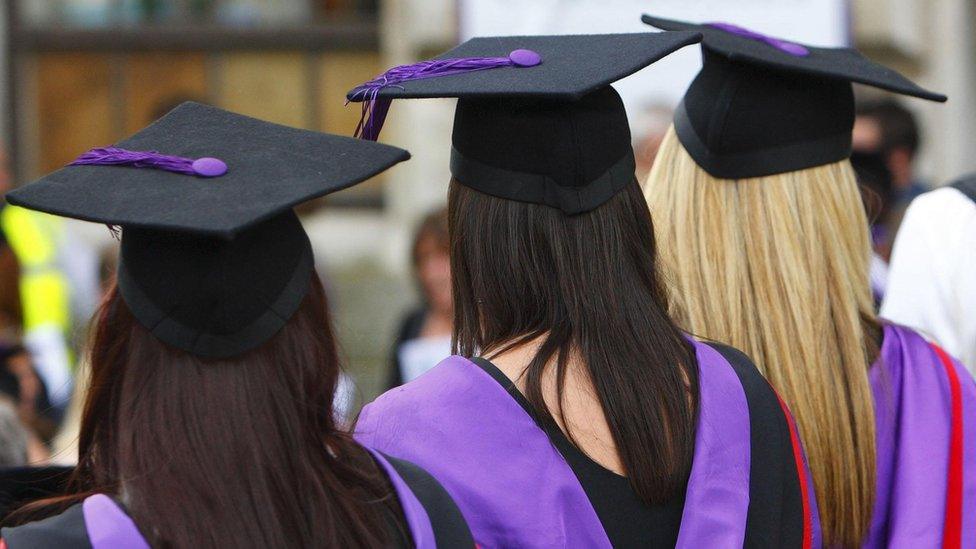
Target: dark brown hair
225,453
587,284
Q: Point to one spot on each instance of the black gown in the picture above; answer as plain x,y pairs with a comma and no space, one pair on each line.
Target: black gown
426,517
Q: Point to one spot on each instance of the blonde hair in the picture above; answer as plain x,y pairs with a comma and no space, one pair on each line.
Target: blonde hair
778,267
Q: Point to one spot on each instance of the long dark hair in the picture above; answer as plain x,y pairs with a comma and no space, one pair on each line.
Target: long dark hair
588,285
225,453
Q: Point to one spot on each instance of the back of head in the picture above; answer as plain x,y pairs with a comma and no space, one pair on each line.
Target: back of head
778,266
226,452
213,365
586,285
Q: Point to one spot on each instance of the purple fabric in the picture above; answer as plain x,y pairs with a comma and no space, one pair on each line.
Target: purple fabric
912,410
114,156
817,531
374,110
717,500
108,526
417,518
513,486
796,50
501,472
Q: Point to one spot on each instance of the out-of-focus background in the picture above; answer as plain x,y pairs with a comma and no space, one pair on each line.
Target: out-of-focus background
76,74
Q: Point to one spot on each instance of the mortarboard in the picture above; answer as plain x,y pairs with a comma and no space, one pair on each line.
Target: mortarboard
213,259
536,119
763,105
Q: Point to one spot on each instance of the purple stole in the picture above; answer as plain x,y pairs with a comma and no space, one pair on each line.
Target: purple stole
108,526
516,490
925,408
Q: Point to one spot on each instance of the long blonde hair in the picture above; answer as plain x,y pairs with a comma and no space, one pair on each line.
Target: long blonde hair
778,267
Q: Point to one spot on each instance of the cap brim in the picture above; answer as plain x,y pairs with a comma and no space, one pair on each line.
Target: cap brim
838,63
271,168
572,66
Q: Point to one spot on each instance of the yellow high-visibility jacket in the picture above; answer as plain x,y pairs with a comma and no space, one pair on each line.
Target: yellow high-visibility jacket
45,294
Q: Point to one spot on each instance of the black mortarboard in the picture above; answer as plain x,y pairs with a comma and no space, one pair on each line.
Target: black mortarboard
213,259
543,124
762,105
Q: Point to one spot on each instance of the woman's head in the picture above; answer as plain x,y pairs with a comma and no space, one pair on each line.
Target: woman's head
587,285
778,266
432,262
225,452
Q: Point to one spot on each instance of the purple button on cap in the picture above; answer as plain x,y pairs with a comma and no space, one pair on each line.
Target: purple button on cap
525,58
793,49
209,167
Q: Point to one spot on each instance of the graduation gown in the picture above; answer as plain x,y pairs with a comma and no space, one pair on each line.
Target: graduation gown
925,409
518,486
99,522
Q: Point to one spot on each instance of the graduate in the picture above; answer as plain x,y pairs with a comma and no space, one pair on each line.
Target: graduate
930,282
764,233
213,364
575,413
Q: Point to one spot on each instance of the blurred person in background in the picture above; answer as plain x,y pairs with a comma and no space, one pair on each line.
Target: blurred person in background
58,287
886,127
19,380
213,367
885,142
24,475
878,195
424,337
21,384
931,284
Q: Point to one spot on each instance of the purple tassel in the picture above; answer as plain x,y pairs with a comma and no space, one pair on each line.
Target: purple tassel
789,48
374,109
114,156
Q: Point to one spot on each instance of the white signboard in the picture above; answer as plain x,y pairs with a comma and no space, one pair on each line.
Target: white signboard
816,22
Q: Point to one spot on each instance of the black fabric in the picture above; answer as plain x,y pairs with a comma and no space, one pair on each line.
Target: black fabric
270,169
213,266
846,64
410,328
553,134
775,516
572,66
62,531
573,156
214,297
569,155
966,186
627,521
754,110
450,528
21,485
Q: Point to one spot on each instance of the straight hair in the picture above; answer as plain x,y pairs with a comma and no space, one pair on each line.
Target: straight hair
778,267
235,452
587,286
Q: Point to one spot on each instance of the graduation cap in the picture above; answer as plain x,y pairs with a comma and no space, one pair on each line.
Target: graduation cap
536,119
213,259
763,105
